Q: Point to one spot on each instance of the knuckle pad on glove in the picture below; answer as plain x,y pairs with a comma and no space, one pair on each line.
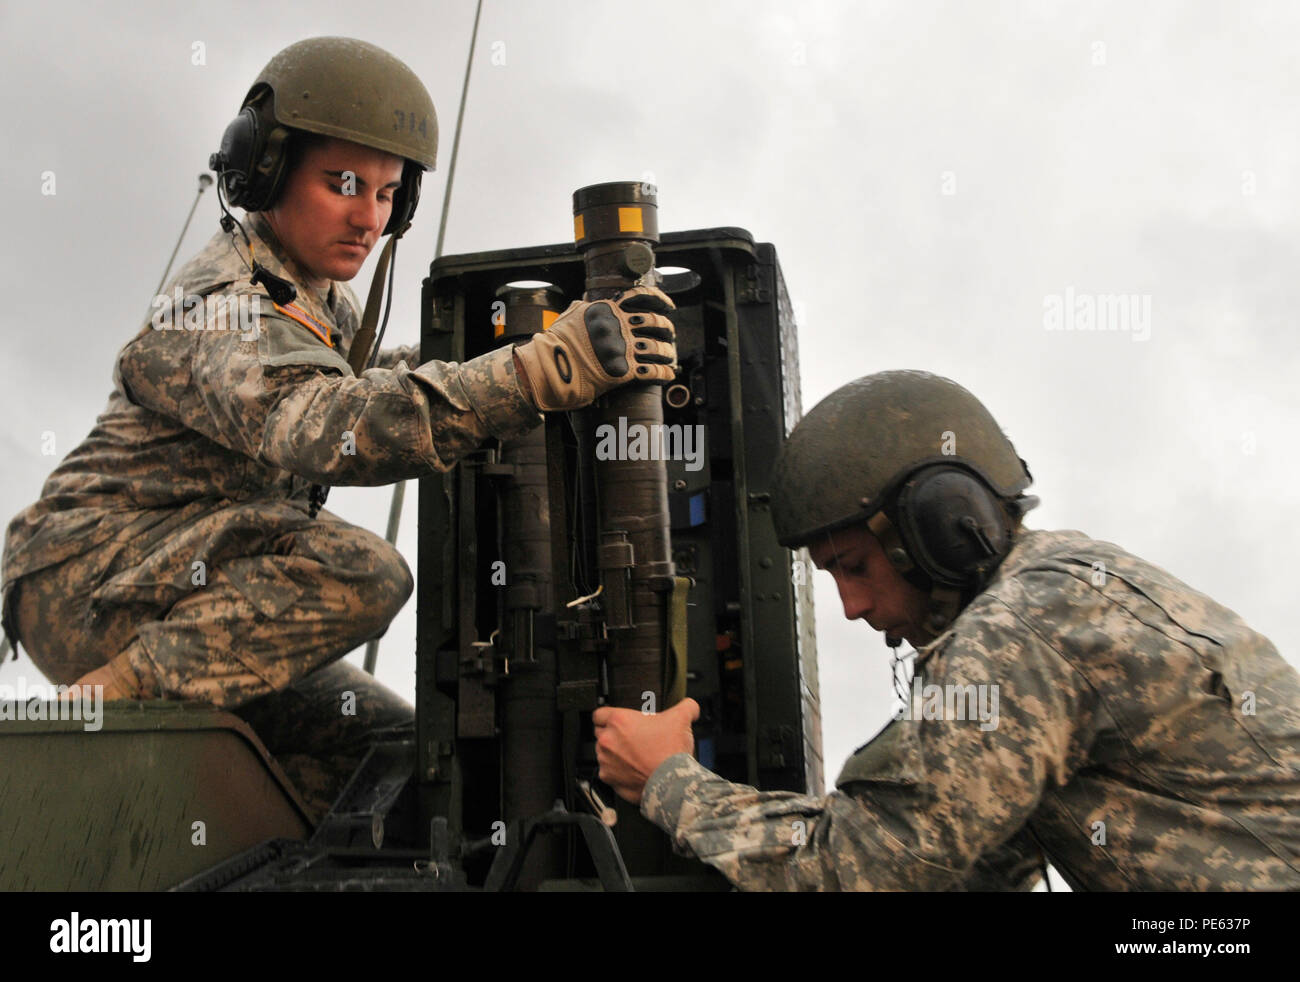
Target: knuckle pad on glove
650,299
607,342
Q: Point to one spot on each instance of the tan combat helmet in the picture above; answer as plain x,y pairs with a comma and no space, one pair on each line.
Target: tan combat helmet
924,464
334,87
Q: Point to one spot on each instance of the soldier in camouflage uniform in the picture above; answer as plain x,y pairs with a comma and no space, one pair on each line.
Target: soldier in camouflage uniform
175,552
1143,738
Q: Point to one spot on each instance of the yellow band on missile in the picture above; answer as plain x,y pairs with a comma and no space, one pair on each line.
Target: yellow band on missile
629,220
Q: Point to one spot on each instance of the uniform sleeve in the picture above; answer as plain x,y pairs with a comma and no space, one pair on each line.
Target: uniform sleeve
389,357
1016,865
280,396
922,804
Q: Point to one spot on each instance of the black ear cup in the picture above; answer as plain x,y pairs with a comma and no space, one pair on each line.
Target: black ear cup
253,158
233,162
953,525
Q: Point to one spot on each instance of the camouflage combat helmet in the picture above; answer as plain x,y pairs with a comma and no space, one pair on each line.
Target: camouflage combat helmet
352,90
854,448
332,87
925,466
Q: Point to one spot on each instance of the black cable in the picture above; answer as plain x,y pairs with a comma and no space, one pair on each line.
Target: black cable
578,569
280,290
229,222
900,687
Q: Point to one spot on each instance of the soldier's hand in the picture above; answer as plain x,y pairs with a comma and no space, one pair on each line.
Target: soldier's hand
599,345
630,744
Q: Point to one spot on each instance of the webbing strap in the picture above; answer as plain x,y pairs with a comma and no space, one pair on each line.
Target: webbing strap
676,662
365,336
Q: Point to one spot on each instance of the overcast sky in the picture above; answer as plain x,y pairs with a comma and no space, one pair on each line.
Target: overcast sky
932,176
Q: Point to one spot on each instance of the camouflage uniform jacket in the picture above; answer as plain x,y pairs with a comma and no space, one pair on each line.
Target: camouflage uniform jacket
1145,738
202,418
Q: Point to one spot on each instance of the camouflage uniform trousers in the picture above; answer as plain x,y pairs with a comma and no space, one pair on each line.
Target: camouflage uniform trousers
261,638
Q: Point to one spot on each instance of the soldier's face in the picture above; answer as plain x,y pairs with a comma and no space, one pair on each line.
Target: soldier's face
870,588
334,208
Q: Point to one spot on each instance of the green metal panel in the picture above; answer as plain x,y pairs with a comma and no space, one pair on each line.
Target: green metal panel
786,702
115,808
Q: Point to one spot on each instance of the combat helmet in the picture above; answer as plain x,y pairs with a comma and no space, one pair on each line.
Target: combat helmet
921,462
335,87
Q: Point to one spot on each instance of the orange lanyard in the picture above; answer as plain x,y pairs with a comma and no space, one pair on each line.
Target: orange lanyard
295,312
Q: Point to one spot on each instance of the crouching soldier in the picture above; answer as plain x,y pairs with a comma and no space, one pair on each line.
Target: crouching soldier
1144,738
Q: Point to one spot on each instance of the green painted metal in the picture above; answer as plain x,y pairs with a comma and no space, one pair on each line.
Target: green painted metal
751,648
160,792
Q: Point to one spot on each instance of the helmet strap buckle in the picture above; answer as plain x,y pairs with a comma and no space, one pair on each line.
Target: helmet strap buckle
891,542
945,605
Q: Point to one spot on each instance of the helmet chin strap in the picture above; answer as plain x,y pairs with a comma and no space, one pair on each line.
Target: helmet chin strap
945,605
944,602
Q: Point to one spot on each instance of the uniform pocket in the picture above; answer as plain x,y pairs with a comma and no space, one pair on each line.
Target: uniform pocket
268,588
893,757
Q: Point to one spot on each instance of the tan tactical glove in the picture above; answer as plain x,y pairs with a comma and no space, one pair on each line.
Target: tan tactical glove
599,345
